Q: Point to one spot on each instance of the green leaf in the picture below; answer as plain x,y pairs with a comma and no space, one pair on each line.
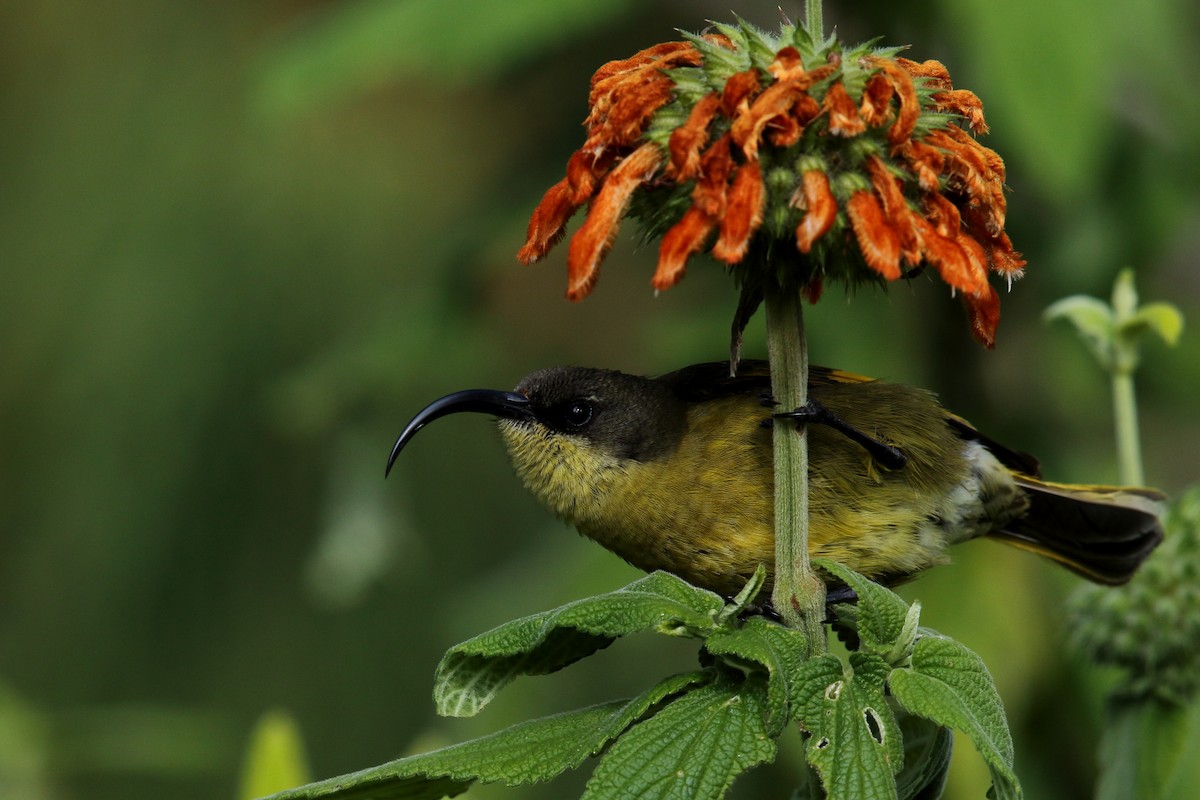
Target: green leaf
773,647
927,750
693,748
1124,295
466,681
1092,318
885,624
274,758
744,598
855,744
471,673
1164,319
524,753
950,685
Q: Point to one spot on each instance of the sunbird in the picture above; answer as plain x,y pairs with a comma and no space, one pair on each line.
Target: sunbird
676,473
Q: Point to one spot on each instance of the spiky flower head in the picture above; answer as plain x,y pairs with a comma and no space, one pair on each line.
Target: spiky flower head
822,161
1149,627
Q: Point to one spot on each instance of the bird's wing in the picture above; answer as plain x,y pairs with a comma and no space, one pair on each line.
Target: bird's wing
1013,459
708,381
711,380
701,382
825,376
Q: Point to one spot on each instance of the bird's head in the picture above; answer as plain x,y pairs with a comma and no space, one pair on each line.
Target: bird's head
571,430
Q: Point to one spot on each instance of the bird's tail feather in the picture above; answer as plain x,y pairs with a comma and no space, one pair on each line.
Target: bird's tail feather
1100,532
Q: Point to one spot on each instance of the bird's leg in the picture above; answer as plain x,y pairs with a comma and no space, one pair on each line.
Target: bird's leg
813,412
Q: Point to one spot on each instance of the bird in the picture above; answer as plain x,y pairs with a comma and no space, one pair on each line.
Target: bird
676,473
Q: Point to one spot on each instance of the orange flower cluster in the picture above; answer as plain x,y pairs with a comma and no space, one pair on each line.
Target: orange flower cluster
859,157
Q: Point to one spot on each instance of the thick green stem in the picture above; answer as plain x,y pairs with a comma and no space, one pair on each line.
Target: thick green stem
1129,455
798,595
813,21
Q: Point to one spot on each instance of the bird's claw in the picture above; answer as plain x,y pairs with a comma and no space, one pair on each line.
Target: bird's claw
887,455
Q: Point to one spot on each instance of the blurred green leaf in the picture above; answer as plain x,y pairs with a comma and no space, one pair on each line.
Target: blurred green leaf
1162,318
353,47
1124,295
694,748
471,673
1183,776
1092,318
274,757
1141,751
1112,332
25,737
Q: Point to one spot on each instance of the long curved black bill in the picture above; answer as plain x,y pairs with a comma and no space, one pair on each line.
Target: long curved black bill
506,405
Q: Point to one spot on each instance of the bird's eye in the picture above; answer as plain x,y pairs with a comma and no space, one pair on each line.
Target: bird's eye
577,413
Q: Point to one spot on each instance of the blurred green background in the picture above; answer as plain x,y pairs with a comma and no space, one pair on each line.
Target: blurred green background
241,243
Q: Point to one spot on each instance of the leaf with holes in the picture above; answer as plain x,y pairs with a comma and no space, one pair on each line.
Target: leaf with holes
693,748
524,753
854,744
950,685
471,673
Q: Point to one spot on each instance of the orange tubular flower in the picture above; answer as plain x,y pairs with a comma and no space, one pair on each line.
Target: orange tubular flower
592,241
684,239
934,73
689,138
820,209
726,142
844,119
743,214
984,312
876,105
895,209
878,240
902,84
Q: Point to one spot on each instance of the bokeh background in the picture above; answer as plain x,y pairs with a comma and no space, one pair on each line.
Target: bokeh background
241,243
